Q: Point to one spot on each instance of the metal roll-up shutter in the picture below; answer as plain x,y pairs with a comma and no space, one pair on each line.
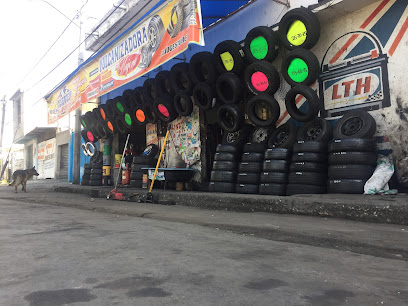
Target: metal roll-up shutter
64,162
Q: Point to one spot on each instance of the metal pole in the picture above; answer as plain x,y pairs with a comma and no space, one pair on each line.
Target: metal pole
2,120
77,148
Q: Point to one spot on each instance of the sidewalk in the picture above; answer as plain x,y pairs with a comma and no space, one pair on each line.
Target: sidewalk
381,240
368,208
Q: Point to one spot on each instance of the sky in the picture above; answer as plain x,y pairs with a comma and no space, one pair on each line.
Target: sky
28,29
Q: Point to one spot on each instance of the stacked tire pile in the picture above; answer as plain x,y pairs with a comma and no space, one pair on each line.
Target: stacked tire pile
308,170
250,167
95,178
147,160
352,157
87,175
224,170
274,177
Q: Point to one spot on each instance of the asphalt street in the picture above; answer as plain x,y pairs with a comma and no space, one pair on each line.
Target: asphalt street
55,255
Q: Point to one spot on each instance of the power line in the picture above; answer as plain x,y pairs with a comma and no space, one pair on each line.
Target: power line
60,11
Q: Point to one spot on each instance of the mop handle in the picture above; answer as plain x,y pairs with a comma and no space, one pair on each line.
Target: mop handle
121,160
158,161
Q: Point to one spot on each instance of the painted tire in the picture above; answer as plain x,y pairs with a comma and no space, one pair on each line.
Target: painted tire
139,115
261,43
202,68
262,77
299,28
300,67
312,100
164,108
229,56
264,102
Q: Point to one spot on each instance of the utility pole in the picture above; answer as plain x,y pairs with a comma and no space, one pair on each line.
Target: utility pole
3,115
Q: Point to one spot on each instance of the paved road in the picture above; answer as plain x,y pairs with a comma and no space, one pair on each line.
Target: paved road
53,255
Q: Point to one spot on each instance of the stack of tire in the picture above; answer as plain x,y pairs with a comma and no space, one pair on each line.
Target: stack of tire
250,167
95,178
224,170
308,170
146,160
87,175
274,177
352,157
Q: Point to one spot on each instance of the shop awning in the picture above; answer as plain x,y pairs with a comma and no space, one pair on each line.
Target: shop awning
36,133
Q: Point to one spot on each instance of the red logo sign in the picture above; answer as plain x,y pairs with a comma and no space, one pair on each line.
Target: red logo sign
127,64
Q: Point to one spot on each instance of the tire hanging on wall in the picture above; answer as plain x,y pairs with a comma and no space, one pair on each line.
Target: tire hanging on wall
355,124
262,77
149,89
128,98
312,100
110,108
299,28
300,67
183,104
229,56
261,43
150,115
283,137
110,123
139,115
202,68
102,112
180,78
138,94
204,96
230,88
162,83
269,106
317,129
230,117
164,108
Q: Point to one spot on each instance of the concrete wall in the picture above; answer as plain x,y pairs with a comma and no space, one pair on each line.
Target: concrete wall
61,138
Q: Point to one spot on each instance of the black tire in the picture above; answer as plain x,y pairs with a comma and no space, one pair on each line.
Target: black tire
275,165
150,89
355,124
230,88
248,178
283,137
274,177
300,67
251,167
310,146
260,134
139,96
137,175
239,137
309,157
294,189
180,78
272,189
308,167
267,106
87,171
230,117
150,115
202,68
227,148
164,109
224,176
252,157
311,22
308,178
225,165
278,154
87,166
174,28
110,108
254,147
352,144
359,172
85,182
128,99
353,158
204,96
120,126
97,165
151,150
96,171
221,187
146,160
346,186
136,183
95,182
138,167
155,32
224,52
183,104
162,83
255,48
247,188
90,120
312,100
95,177
317,129
225,156
262,77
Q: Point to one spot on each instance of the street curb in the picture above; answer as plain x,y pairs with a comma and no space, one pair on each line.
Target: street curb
375,209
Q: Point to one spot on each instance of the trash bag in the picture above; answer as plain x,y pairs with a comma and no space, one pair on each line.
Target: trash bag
378,183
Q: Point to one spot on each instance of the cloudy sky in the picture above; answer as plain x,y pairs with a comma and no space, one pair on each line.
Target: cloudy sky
28,30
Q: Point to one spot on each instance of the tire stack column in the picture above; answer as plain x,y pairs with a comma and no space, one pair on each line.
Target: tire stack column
96,174
136,174
308,170
224,171
107,162
87,175
249,168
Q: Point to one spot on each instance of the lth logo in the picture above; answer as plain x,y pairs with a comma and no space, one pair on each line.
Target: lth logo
361,86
